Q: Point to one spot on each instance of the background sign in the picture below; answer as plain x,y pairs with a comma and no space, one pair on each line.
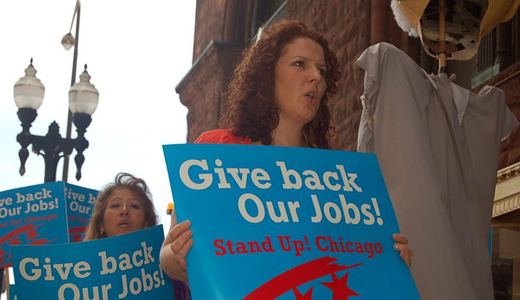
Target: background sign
12,292
80,204
32,215
121,267
286,223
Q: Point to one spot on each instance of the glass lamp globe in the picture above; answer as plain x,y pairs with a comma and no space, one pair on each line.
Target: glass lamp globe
68,41
83,96
28,90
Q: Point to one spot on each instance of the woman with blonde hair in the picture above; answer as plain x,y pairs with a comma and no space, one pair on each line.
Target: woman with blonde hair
122,206
125,206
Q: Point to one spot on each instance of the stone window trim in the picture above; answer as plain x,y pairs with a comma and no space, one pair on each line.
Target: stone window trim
507,192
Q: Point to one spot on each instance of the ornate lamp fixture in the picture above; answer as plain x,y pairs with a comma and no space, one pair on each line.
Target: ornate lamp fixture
28,96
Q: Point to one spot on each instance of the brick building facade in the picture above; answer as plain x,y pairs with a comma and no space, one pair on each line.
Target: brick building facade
225,27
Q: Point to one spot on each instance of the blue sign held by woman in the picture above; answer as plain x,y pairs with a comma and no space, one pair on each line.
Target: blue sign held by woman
286,223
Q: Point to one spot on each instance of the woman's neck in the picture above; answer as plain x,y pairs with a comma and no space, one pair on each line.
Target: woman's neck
287,134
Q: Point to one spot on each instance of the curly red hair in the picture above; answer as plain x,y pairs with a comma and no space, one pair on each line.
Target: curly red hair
252,111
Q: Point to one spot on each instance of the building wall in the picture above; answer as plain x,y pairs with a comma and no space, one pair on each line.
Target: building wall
216,50
216,20
350,26
202,89
209,25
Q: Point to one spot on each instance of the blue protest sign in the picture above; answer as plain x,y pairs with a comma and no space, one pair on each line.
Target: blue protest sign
286,223
80,204
12,292
32,215
120,267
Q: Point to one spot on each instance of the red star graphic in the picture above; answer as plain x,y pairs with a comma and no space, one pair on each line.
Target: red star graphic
306,296
31,234
339,287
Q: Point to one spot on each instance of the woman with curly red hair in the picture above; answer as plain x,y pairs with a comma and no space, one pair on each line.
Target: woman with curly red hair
278,96
288,58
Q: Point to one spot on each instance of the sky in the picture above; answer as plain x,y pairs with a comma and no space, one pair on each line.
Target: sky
136,51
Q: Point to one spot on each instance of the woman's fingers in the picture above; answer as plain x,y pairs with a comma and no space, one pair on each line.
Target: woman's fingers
178,230
405,252
179,243
183,252
399,238
180,236
401,245
181,257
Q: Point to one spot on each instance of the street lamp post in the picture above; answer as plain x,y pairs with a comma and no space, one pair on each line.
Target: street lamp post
28,96
53,146
68,41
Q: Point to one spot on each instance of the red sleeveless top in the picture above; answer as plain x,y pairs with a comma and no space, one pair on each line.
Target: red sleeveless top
221,136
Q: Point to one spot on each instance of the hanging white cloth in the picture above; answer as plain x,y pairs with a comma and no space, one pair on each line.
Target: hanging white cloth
437,144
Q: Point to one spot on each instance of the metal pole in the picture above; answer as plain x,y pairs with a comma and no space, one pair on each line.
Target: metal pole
72,82
51,163
1,280
442,37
